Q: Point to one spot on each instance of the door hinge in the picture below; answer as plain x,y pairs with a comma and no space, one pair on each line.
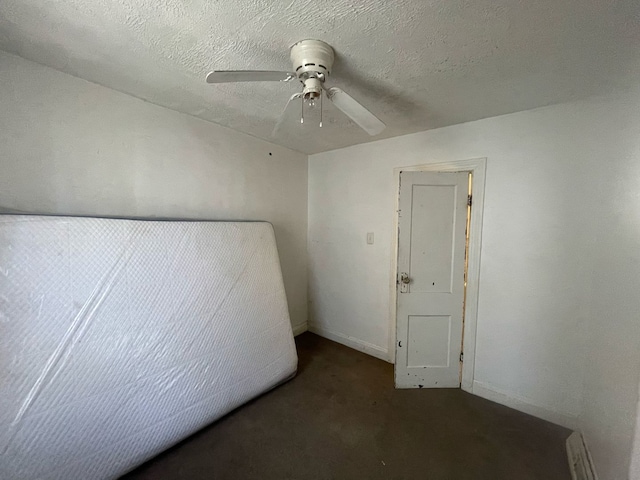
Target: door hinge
469,200
461,357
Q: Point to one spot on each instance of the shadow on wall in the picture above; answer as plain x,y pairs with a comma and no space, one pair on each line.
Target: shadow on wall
532,300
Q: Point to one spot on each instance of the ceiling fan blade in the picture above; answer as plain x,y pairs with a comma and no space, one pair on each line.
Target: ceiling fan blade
226,76
355,111
283,116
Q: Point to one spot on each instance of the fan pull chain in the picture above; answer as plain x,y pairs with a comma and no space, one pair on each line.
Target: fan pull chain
321,108
302,110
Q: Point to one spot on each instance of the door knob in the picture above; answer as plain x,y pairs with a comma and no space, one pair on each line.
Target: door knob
404,278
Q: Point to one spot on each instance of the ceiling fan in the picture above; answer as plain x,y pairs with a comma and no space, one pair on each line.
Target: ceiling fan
312,62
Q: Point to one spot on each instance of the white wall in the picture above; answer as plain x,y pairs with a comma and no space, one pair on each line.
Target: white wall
634,470
68,146
558,323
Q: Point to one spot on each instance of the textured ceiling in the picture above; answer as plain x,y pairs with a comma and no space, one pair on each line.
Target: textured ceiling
416,64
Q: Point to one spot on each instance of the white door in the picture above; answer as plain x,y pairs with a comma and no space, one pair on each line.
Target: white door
432,223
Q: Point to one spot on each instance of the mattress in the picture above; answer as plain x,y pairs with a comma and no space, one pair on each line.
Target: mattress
119,338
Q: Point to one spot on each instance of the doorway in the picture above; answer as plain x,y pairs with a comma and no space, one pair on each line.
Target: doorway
436,274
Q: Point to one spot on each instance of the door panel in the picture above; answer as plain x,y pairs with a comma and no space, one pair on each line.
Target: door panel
432,232
431,248
435,352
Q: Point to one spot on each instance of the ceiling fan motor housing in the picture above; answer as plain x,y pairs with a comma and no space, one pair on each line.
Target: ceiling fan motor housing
312,59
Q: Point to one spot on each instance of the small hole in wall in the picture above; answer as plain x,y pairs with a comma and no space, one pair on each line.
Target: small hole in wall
270,153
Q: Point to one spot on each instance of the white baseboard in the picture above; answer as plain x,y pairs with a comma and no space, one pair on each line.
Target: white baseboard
580,461
356,344
486,391
298,329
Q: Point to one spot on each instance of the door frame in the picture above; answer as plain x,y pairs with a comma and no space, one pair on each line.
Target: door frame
477,167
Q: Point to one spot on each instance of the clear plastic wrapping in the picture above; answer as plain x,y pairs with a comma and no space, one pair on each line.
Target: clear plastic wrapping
119,338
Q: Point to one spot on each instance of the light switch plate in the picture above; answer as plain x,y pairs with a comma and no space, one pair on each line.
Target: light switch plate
370,238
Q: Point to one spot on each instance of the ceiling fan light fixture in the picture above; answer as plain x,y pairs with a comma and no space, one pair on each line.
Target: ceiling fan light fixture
312,89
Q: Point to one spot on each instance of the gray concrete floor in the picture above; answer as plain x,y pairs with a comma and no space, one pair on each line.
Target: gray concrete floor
341,418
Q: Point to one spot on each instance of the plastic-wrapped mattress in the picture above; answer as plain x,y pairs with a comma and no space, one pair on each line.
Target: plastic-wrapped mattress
119,338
